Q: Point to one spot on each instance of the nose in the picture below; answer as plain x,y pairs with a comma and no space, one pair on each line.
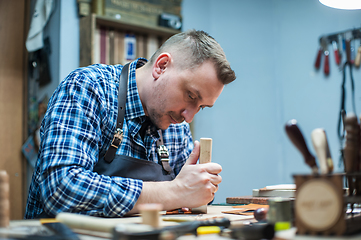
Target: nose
188,114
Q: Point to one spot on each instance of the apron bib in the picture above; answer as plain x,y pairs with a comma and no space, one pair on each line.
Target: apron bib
129,167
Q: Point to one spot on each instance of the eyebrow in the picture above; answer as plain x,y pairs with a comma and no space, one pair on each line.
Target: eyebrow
200,98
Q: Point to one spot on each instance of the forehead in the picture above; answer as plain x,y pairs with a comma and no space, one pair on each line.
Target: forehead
204,81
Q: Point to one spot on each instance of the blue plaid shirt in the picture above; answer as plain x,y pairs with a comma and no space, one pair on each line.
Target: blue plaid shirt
77,128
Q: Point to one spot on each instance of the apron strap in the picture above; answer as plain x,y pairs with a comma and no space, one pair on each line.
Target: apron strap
118,135
163,153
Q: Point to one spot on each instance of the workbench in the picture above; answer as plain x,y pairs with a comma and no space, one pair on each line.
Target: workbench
27,227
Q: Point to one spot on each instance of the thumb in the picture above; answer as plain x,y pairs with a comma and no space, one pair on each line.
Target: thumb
193,158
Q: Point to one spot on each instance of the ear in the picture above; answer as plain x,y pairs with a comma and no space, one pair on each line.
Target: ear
160,64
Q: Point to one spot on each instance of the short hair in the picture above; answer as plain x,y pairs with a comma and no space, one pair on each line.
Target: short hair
192,48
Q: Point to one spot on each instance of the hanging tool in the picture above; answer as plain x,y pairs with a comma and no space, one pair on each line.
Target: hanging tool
296,136
335,51
357,35
326,66
340,48
319,55
320,144
358,56
348,37
323,50
334,40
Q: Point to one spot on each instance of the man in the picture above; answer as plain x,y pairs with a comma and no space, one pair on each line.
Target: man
74,172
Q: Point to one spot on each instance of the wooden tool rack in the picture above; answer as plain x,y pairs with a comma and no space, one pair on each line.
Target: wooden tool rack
324,207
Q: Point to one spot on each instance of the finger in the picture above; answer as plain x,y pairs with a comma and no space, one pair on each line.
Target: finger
215,188
193,158
213,168
216,179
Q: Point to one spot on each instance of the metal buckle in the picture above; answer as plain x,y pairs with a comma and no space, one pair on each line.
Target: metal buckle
163,153
118,135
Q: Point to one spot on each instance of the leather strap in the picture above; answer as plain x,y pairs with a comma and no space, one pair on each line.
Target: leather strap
118,135
163,153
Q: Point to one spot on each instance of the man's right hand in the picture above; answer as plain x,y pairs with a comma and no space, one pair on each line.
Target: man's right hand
197,183
194,186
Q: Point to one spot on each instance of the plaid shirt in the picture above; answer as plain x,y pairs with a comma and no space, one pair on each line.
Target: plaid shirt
77,128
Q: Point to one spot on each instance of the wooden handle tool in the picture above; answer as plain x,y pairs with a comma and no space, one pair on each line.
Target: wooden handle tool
358,57
205,150
204,157
320,144
351,150
296,137
84,222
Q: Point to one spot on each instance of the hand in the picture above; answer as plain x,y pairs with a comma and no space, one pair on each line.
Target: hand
197,183
194,186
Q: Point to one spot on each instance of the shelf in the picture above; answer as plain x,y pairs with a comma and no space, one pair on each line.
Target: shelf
119,24
89,24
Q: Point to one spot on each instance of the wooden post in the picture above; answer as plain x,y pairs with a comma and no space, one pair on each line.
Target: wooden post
150,214
4,199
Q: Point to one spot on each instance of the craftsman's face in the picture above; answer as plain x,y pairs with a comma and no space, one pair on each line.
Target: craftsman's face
179,94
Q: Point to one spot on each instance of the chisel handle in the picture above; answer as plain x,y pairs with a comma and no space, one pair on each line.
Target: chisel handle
336,53
348,51
321,147
326,68
296,137
358,57
318,59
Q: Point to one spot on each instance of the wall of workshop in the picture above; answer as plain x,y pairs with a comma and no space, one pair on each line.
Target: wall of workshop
63,32
271,45
62,29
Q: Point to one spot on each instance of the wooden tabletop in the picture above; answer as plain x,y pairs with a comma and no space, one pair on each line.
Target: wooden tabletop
28,227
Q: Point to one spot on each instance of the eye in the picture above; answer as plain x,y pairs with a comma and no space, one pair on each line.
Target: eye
191,96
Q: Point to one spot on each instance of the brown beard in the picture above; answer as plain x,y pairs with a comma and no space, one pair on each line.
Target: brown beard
156,117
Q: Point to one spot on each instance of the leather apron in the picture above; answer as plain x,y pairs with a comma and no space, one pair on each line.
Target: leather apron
129,167
111,164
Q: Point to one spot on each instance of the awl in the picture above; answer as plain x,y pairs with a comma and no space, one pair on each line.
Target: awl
320,144
296,136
